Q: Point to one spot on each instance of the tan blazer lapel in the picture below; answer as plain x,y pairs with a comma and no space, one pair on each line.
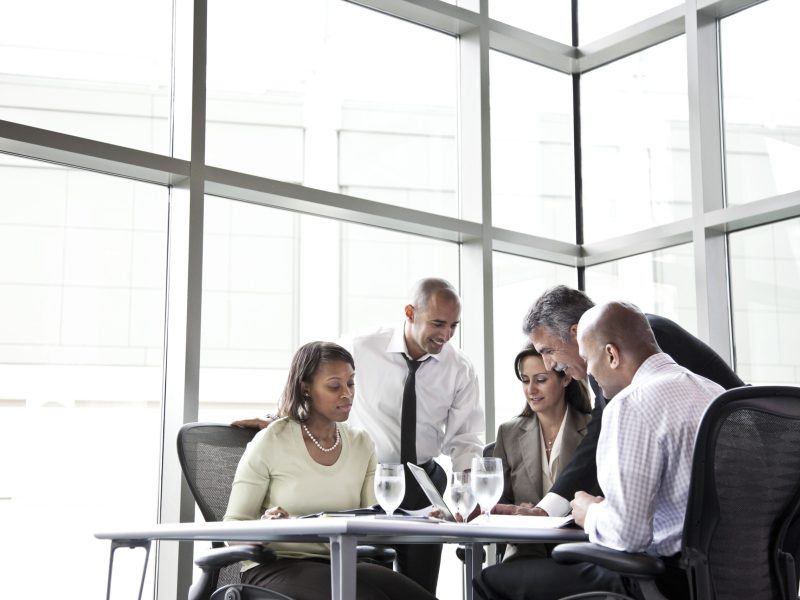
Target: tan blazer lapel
531,447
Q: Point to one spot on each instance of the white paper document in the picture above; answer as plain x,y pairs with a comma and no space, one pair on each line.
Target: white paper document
523,522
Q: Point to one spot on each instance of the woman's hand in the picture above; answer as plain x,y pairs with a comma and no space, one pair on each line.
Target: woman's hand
276,512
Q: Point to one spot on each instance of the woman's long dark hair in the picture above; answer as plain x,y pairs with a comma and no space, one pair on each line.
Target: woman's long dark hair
305,364
575,392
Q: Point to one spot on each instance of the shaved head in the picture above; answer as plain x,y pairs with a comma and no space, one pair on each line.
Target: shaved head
615,339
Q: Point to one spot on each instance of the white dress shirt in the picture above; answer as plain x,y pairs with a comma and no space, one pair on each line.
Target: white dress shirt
450,417
644,458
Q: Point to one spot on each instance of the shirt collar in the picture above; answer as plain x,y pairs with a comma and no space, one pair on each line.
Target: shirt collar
398,345
651,365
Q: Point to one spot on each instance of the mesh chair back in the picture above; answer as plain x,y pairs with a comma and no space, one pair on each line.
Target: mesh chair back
209,454
744,494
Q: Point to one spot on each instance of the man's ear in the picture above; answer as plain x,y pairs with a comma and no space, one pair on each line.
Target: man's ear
612,356
573,332
409,310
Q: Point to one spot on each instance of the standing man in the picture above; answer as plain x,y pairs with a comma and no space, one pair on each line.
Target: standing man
552,326
418,397
449,417
644,462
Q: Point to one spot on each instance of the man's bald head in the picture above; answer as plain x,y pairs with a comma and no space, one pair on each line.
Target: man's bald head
615,338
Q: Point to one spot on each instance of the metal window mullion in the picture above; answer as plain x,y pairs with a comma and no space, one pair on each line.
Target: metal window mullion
475,190
180,404
707,179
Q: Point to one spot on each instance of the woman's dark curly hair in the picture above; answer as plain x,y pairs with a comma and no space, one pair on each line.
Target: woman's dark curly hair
575,392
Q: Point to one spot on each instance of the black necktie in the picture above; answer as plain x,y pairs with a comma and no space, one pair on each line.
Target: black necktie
408,418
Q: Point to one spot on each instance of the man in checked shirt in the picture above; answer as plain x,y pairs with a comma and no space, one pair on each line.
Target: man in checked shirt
644,459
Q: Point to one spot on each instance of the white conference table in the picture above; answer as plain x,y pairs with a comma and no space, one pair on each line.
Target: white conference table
344,533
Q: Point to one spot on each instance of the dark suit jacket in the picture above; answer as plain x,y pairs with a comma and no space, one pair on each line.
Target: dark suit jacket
686,350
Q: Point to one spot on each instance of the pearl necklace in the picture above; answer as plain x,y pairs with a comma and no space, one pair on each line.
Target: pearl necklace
316,441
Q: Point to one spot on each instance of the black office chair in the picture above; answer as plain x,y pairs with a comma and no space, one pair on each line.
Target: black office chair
744,499
209,454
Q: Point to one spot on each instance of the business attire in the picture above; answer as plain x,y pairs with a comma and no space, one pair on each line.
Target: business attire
644,463
528,475
581,473
449,420
277,470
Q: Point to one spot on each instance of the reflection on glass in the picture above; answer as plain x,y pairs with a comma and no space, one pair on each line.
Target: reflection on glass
765,296
660,282
82,68
551,20
81,338
636,171
761,102
533,181
599,19
518,282
306,103
273,280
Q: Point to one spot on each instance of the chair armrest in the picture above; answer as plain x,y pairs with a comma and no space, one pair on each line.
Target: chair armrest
381,554
228,555
626,563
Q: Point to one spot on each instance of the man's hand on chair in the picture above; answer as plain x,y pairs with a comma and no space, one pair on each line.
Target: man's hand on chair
252,423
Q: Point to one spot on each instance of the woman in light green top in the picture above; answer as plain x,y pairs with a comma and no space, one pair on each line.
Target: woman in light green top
310,461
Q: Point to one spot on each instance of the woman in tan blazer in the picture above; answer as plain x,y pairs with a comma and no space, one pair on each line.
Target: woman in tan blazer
535,445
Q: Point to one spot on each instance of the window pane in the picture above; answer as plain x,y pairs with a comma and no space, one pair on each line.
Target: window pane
81,339
599,19
518,282
765,295
336,97
82,68
552,20
761,102
634,116
533,176
660,283
273,280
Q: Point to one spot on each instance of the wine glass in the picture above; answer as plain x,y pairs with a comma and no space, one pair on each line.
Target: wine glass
390,486
461,494
487,482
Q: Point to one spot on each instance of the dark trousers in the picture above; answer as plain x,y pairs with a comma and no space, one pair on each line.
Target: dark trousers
420,562
545,579
310,579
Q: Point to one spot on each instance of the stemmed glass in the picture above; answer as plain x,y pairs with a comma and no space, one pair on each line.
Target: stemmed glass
390,486
461,494
487,482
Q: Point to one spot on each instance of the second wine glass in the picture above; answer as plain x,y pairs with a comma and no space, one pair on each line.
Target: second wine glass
487,482
390,486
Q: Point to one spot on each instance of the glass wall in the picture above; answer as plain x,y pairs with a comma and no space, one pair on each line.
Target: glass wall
761,104
82,292
82,68
308,104
635,142
765,293
533,175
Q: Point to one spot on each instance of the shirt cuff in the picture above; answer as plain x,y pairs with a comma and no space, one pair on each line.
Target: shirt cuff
554,505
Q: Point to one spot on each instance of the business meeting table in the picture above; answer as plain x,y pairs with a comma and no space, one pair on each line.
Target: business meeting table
344,533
